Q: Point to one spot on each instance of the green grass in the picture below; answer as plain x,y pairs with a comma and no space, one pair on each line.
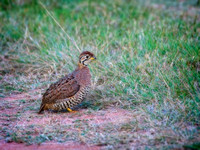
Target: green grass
148,54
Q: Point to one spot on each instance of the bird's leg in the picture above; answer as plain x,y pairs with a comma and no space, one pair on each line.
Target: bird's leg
71,110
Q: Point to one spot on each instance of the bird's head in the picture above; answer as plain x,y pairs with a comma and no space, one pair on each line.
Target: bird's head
86,57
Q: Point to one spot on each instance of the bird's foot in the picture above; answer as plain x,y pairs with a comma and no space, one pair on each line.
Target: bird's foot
72,111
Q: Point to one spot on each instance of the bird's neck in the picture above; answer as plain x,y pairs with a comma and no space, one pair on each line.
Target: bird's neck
80,66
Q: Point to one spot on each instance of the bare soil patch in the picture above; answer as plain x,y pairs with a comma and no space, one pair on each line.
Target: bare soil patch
21,127
49,146
21,111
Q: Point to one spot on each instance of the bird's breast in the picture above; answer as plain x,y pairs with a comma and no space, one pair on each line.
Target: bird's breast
84,77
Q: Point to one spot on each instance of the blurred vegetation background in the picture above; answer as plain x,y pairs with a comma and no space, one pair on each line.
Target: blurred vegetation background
148,51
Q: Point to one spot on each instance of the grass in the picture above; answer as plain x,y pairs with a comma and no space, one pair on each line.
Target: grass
147,57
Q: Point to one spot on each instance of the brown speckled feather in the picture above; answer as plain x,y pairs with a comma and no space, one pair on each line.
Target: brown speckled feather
71,89
62,89
66,89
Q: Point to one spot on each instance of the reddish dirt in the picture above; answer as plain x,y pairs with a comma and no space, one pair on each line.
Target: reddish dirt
49,146
30,117
25,96
99,118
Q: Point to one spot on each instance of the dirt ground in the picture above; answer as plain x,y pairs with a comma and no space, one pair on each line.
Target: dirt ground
17,104
49,146
109,128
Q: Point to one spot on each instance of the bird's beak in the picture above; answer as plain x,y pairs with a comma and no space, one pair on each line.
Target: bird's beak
92,58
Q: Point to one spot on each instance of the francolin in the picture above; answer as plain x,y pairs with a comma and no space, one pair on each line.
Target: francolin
70,90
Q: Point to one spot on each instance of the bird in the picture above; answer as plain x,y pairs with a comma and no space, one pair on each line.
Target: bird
70,90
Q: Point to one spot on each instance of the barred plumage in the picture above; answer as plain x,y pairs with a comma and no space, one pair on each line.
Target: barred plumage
71,89
72,101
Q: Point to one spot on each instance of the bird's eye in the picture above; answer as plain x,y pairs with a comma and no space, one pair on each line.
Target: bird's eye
87,57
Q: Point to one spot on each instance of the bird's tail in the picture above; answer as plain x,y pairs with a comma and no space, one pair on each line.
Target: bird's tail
41,108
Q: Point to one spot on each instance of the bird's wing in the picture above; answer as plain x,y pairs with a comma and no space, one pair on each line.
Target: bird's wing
62,89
